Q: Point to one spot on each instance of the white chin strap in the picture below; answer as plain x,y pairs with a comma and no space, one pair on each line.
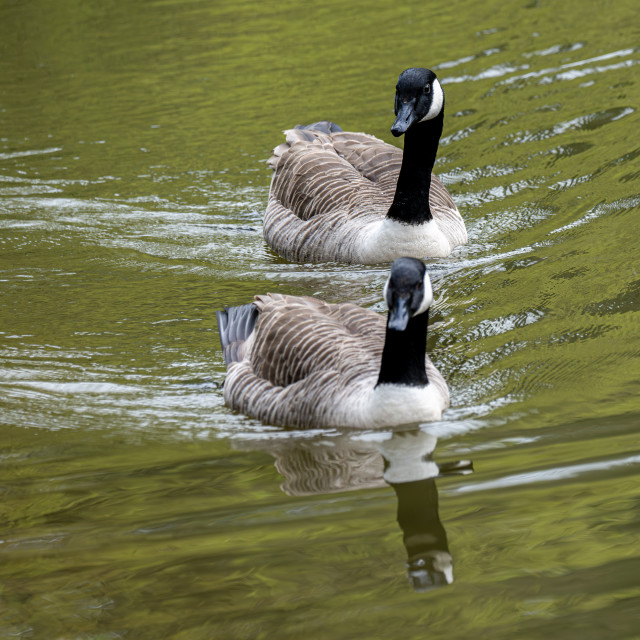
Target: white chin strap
436,102
427,300
385,291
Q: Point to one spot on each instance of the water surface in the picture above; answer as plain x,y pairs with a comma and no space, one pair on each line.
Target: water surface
133,140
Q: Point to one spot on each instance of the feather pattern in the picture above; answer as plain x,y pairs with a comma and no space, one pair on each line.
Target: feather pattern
313,364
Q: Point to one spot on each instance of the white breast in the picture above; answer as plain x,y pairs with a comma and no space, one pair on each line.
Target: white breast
394,404
387,239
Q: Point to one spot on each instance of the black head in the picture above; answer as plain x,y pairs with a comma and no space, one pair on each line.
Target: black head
407,292
419,97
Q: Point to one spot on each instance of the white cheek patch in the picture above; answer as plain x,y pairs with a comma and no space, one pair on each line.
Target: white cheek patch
436,102
385,291
427,300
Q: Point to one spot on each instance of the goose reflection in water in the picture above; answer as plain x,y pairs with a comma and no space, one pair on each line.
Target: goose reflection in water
403,459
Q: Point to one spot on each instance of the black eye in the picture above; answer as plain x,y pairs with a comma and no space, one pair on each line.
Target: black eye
427,90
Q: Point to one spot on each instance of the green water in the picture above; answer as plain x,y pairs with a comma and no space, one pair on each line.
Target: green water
132,183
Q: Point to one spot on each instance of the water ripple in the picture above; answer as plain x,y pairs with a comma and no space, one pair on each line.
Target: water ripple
589,122
569,65
12,155
548,475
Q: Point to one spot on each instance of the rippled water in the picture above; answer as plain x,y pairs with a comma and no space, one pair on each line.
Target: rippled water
132,184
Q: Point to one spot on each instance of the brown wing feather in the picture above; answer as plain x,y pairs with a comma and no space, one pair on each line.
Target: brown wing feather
306,358
376,160
298,336
311,179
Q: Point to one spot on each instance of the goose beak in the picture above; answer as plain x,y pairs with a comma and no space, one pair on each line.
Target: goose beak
405,118
399,314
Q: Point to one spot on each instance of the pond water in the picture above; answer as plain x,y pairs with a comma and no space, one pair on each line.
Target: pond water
133,140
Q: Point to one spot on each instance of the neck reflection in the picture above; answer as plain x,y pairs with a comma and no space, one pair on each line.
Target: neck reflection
403,459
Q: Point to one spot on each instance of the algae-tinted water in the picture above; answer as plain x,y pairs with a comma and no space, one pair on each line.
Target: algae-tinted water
132,183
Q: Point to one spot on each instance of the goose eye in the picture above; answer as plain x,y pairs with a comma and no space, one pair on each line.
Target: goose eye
427,89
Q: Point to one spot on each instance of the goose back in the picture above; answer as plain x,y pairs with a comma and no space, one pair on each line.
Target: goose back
331,189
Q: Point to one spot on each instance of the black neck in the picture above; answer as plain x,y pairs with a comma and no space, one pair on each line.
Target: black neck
403,354
411,200
418,517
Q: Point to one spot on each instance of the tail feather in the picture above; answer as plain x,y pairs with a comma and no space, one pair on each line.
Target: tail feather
307,132
324,126
235,325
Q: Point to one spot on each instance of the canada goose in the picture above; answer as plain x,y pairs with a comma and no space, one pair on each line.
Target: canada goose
349,197
300,362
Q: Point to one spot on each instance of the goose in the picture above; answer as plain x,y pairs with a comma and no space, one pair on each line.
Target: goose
338,196
300,362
